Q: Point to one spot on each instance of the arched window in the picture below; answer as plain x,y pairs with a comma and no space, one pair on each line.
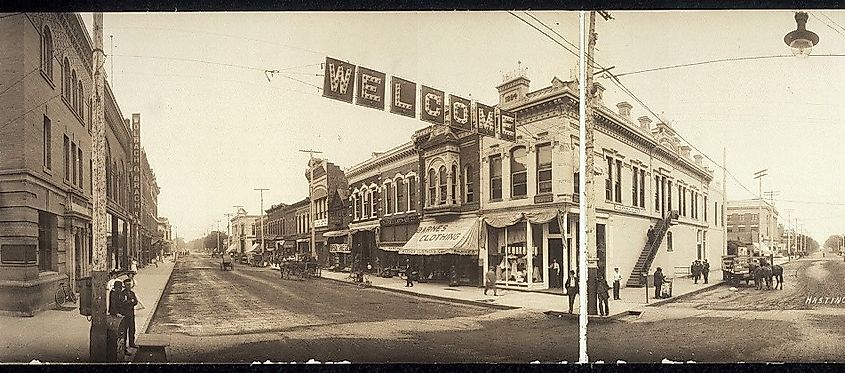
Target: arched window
432,188
372,203
388,198
368,196
108,170
47,52
442,178
72,94
468,190
66,78
455,181
80,100
412,193
401,196
356,211
519,173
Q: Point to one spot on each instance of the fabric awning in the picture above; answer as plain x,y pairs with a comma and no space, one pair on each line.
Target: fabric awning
251,249
340,233
232,248
534,217
389,247
432,238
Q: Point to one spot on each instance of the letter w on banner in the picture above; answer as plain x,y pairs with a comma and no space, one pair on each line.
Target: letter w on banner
338,82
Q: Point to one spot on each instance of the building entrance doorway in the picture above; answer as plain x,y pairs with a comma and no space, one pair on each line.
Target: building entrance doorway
557,254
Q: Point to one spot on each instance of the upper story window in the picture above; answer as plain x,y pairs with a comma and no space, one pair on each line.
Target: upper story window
496,177
412,193
79,103
608,182
66,149
66,79
642,188
47,52
455,181
617,186
544,168
468,190
656,193
47,156
72,94
368,203
401,196
388,198
81,169
432,188
356,209
73,162
373,197
519,172
442,183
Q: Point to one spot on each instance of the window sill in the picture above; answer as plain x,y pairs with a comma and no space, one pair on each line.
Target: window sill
47,79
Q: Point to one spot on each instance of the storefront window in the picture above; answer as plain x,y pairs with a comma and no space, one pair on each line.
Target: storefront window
539,248
519,174
516,254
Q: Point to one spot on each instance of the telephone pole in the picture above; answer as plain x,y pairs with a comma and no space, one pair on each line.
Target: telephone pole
759,176
99,277
261,222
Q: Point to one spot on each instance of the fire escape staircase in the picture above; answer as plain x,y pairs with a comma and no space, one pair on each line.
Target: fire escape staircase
650,251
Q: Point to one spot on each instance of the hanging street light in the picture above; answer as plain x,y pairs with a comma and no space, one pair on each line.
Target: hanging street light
801,41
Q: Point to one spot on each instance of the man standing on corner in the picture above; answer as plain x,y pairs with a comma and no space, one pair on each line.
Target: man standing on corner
129,303
705,270
658,282
617,283
490,276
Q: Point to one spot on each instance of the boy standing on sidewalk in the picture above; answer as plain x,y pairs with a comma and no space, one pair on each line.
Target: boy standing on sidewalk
490,276
129,303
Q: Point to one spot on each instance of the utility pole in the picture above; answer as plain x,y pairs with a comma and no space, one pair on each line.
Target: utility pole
234,228
261,222
759,176
218,235
772,216
99,277
723,211
311,209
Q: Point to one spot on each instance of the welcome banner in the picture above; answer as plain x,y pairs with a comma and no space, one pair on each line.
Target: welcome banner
347,82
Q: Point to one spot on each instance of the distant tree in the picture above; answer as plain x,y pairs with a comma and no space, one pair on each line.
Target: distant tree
833,242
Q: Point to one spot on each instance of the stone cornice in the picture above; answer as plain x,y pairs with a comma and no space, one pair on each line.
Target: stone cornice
396,155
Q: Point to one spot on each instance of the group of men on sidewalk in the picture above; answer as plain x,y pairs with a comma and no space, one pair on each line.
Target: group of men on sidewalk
122,302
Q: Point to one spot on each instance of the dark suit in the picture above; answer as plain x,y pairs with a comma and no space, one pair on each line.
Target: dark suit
129,302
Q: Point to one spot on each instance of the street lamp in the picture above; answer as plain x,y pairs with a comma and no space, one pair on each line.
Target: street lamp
801,40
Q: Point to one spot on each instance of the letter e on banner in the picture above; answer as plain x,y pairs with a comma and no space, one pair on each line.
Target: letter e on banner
370,88
403,95
338,83
486,120
460,115
507,125
432,103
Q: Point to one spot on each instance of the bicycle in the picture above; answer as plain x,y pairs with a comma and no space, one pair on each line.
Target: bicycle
64,294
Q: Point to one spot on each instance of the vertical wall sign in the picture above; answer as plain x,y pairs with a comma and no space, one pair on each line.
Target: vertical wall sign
460,113
136,163
403,97
338,83
370,88
432,104
486,120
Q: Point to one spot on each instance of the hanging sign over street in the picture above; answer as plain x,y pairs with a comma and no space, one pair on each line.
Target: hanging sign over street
346,82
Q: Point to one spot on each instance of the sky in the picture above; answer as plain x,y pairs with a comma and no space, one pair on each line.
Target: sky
784,114
214,133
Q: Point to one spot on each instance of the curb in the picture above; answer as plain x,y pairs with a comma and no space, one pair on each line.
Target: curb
154,307
435,297
682,296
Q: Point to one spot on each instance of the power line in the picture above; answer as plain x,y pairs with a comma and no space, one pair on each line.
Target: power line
19,80
552,30
828,25
543,32
831,20
192,60
30,110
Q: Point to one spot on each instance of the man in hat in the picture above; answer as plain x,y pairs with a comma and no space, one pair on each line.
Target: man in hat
129,303
617,283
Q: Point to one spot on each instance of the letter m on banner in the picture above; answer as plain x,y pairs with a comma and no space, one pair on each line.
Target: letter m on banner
339,80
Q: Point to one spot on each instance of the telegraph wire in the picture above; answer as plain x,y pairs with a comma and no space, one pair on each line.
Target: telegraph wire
544,33
826,23
19,80
192,60
552,30
31,110
831,20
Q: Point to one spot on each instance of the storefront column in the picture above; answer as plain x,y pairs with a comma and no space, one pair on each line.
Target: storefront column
529,242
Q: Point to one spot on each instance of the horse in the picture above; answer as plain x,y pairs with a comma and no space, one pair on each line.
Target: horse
777,272
763,274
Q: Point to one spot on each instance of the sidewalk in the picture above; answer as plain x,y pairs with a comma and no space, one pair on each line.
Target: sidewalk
62,335
633,299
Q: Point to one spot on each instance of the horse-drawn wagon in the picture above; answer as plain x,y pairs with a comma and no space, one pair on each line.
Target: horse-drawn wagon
298,269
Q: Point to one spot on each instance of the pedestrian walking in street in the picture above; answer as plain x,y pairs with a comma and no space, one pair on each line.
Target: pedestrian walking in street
601,291
617,283
129,303
490,284
705,270
695,270
554,271
658,282
409,274
133,265
571,288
